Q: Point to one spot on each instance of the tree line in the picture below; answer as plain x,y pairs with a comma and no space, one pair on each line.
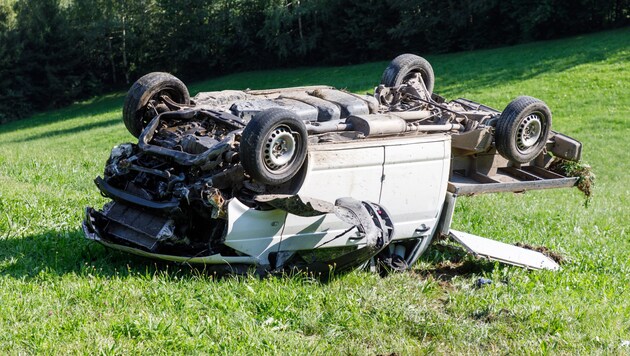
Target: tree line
53,52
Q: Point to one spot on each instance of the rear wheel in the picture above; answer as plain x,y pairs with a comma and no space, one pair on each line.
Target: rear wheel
409,69
522,129
144,99
273,146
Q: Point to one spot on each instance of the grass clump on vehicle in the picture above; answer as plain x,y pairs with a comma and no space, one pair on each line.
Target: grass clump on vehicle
581,170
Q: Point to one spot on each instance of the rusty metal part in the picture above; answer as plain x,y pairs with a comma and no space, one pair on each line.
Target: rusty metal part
216,200
414,115
391,124
327,126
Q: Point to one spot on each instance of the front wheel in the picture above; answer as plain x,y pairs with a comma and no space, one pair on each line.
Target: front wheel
149,90
522,129
409,69
273,146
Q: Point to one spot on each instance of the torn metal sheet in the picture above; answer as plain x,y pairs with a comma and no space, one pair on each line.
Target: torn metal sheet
502,252
296,205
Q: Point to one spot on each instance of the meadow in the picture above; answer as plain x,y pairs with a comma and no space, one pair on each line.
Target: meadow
60,294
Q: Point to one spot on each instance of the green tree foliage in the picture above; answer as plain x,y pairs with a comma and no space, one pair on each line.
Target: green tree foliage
39,60
53,52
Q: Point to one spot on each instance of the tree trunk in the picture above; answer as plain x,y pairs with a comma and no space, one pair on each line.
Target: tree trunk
299,12
124,50
111,59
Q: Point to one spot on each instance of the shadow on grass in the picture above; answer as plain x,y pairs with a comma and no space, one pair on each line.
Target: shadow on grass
68,252
467,71
450,261
96,106
68,131
60,253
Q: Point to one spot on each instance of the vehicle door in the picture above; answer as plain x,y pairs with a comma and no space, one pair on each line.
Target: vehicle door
353,169
415,178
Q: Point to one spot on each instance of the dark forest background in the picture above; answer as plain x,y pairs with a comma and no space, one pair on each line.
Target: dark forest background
53,52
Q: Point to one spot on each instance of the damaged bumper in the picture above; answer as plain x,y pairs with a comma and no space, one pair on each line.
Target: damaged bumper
251,237
92,234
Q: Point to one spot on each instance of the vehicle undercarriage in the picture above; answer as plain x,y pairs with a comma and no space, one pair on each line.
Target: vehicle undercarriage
205,168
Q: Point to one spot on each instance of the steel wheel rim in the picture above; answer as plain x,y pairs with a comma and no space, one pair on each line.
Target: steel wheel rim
529,132
280,148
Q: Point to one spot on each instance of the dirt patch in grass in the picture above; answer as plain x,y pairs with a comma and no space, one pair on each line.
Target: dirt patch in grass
447,270
455,262
557,257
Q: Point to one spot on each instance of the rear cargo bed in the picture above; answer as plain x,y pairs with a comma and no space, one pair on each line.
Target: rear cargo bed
508,179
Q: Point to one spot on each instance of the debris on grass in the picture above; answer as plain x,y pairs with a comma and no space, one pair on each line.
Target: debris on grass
557,257
482,282
454,261
451,261
581,170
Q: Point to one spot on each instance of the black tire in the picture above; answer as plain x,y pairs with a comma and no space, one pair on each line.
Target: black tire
150,87
404,67
522,129
272,130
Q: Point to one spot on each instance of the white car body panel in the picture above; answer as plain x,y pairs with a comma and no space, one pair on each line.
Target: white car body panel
372,170
414,184
334,171
254,232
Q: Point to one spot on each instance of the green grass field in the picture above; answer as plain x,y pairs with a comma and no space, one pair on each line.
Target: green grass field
60,294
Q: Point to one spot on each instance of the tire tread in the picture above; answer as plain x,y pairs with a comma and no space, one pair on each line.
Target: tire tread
140,92
400,66
506,126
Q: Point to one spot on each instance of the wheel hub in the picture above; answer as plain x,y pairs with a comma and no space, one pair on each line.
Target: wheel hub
280,148
529,132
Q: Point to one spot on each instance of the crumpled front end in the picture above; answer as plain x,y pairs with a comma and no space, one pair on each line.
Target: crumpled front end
145,233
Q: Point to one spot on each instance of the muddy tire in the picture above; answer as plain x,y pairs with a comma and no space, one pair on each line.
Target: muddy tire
147,89
273,146
522,129
406,67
